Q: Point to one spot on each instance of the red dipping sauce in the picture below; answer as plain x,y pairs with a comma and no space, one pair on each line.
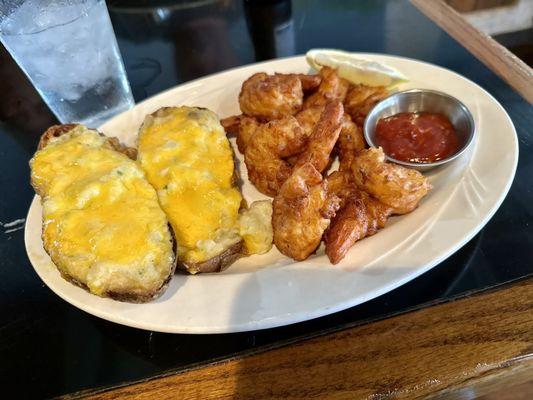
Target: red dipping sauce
417,137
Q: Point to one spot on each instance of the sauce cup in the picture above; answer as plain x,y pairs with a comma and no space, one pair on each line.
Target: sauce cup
423,100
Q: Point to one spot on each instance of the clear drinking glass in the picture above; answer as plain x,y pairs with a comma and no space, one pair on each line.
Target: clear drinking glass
68,50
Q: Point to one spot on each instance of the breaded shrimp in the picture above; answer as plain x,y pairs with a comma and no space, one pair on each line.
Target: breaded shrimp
323,138
231,124
308,118
266,150
269,97
350,142
360,99
242,127
360,216
396,186
309,82
269,150
301,212
341,184
332,87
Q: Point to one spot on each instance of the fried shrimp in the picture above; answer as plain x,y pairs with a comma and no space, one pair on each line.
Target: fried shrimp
360,99
396,186
303,207
350,142
323,138
340,184
302,211
332,87
361,216
308,118
231,124
270,97
266,150
242,127
309,82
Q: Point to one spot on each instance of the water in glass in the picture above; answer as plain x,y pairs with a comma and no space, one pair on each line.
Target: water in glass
68,50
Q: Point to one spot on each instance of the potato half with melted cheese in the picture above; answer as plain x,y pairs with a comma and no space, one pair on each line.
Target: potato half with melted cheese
189,161
103,226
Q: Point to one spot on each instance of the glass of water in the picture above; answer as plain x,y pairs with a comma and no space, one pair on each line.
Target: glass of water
68,50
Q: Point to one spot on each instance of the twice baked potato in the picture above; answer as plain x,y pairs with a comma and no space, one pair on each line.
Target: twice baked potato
102,224
189,161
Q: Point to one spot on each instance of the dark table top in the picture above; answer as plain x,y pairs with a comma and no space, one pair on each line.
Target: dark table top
48,347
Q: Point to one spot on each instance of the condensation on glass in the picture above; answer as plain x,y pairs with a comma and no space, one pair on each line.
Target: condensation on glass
68,50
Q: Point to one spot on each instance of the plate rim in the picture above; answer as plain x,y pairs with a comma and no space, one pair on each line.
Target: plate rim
289,319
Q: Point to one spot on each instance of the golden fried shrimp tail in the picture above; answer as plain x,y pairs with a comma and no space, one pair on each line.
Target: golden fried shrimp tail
242,127
266,152
361,216
324,136
301,212
396,186
309,82
231,124
332,87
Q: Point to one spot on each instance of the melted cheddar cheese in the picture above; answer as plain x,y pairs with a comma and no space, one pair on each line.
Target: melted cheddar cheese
188,159
102,223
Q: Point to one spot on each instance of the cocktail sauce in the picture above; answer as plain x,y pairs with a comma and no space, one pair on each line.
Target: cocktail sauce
417,137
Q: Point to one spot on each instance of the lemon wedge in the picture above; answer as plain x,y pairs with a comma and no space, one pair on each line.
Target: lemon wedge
356,70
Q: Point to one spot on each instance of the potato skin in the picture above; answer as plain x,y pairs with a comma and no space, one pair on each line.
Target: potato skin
218,263
223,260
54,132
131,297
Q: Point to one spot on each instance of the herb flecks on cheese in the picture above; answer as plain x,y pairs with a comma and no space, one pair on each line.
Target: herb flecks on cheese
188,159
102,223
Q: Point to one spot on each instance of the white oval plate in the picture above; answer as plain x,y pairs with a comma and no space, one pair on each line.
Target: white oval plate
271,290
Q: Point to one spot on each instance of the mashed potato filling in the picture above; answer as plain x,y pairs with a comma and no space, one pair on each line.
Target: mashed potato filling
188,159
102,224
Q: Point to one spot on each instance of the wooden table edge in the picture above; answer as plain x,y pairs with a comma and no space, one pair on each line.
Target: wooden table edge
438,351
495,56
211,381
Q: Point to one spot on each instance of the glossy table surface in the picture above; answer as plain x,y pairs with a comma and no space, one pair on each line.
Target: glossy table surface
49,348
